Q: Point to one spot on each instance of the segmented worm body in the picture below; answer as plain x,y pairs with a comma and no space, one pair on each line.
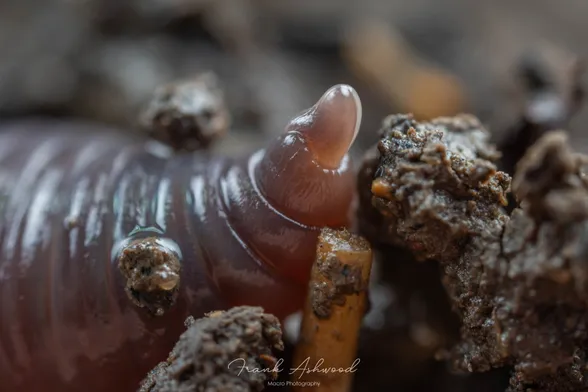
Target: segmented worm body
74,196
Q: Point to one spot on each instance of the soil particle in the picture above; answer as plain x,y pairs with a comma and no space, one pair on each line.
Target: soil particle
152,271
202,360
187,115
442,172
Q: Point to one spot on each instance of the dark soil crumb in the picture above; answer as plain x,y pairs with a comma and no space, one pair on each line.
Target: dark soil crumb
518,283
152,272
436,181
200,360
339,278
548,93
187,115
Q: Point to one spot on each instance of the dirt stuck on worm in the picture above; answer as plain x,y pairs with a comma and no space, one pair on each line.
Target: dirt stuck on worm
187,115
153,274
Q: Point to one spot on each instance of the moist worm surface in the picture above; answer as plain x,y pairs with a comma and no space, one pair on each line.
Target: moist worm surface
73,194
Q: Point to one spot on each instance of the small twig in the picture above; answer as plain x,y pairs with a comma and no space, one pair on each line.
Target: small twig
325,356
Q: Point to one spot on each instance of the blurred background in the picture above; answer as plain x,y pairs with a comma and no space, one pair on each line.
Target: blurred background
101,60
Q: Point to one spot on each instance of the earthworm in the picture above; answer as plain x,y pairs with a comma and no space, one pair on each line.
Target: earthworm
81,204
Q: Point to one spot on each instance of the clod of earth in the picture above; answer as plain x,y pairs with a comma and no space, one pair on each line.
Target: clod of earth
518,282
204,356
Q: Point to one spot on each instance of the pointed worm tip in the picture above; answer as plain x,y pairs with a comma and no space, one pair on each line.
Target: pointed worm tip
332,124
347,96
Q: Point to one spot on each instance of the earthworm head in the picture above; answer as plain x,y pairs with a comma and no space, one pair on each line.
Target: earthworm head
306,173
331,125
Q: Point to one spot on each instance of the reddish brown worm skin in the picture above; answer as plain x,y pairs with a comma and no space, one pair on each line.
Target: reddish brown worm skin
246,229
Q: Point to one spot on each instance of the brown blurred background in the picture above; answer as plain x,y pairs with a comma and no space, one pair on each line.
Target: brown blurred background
102,59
